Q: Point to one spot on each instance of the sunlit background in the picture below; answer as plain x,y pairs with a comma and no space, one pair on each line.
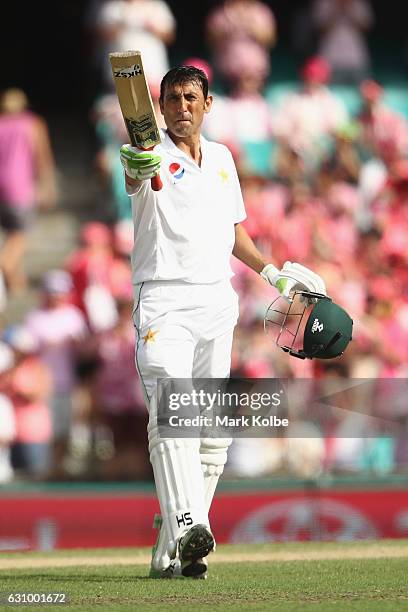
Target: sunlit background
312,99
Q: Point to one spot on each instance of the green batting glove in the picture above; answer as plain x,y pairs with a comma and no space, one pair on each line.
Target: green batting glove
139,165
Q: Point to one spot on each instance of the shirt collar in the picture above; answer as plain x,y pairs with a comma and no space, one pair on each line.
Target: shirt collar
169,145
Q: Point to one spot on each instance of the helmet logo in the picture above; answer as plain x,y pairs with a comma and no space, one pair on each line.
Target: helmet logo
317,326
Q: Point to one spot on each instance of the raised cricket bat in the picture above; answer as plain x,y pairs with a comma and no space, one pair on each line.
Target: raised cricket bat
136,103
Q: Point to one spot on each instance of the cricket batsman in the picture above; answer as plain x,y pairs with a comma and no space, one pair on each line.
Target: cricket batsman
185,307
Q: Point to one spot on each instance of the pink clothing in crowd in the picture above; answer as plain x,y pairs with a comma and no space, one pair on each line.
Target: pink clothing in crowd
240,119
88,267
57,330
394,242
17,171
232,28
384,131
117,386
33,422
394,338
243,57
343,28
265,206
304,118
295,232
29,389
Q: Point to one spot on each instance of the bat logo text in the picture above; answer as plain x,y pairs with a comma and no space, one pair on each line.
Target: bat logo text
142,131
127,73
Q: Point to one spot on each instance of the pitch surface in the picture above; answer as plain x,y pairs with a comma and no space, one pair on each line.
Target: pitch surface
363,576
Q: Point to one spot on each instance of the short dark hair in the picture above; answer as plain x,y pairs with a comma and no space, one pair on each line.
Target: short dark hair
182,75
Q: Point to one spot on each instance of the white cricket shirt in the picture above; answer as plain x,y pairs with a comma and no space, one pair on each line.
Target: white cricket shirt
186,231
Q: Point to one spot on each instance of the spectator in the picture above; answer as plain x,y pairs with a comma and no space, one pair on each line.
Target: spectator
390,216
298,222
7,418
337,225
306,119
118,399
27,179
110,130
240,35
29,388
304,450
243,122
254,457
147,25
384,142
120,277
343,163
264,200
90,267
383,130
58,326
342,26
290,166
388,332
242,119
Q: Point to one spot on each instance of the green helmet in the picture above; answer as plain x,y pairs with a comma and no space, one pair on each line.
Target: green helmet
310,326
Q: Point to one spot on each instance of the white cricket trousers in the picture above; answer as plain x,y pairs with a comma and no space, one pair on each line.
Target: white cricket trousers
183,331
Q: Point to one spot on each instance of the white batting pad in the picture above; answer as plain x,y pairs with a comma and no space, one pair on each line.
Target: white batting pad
180,488
161,556
213,455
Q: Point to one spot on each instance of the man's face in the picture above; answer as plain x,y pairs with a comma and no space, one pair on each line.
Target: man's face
183,108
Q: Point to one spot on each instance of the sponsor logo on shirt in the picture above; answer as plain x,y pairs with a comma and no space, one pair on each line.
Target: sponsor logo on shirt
176,171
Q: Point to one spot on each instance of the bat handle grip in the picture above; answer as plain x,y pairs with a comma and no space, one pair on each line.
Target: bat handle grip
156,183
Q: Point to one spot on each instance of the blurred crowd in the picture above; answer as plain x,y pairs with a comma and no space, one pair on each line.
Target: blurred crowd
322,186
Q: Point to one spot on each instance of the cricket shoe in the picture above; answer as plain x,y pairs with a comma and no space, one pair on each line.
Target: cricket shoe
173,570
168,572
193,547
197,573
202,562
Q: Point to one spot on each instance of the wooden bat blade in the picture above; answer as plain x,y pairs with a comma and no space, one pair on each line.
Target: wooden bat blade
135,102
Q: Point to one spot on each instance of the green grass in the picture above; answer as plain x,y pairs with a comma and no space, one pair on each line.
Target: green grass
359,584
